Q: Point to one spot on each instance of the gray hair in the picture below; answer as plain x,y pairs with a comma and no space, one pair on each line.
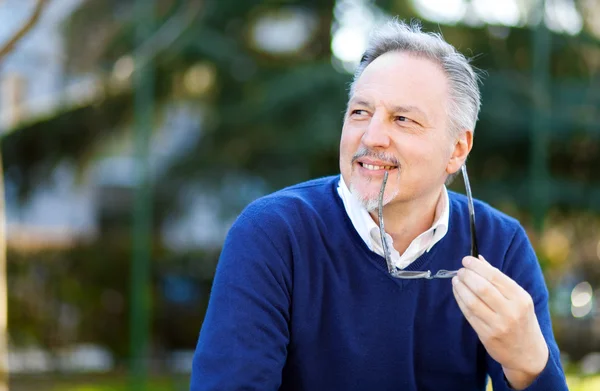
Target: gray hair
465,97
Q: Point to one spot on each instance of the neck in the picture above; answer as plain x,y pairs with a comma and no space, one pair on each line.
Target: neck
404,221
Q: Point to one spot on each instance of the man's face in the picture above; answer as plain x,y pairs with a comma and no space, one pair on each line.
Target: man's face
397,121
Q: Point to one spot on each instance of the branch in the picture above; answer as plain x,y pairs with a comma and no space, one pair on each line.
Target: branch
8,47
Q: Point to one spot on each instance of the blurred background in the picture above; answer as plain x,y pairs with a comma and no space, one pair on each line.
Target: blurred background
134,131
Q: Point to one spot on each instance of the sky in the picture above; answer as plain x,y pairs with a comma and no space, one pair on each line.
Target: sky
37,57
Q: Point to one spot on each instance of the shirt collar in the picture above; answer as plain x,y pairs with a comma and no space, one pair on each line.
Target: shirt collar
359,216
369,231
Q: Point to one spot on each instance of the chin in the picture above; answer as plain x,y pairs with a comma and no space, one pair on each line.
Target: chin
369,198
369,201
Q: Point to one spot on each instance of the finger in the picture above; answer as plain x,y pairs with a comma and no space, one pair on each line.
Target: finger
484,290
506,286
480,328
474,306
472,319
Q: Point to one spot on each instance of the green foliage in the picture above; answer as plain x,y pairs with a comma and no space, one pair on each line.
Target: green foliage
81,295
269,121
279,117
104,382
31,153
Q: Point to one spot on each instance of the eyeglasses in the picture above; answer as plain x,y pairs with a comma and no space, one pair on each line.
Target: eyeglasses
409,274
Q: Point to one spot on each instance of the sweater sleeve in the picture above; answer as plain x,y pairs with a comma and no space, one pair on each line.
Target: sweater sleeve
521,265
244,336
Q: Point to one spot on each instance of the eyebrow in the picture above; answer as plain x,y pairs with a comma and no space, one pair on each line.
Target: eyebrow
360,102
410,109
394,109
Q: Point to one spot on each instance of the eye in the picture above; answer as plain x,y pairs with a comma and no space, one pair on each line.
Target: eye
403,119
358,112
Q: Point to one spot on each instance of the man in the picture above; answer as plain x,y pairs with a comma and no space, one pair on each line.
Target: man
306,297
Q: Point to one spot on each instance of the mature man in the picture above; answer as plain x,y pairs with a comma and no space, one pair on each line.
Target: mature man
308,297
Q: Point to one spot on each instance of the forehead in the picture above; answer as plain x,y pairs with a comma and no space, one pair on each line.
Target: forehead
404,79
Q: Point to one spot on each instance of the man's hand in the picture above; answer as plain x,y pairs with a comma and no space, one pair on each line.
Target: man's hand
503,316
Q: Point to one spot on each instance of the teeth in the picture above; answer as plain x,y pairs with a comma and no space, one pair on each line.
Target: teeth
372,167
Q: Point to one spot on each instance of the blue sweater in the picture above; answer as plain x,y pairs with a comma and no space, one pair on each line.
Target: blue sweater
299,302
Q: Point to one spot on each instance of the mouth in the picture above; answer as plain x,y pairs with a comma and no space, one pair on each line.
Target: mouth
376,167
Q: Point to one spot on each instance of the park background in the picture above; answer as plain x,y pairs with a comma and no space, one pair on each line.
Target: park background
134,131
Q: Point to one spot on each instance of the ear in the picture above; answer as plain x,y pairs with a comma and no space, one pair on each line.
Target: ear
462,147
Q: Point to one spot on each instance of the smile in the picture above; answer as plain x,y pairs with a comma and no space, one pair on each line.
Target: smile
372,167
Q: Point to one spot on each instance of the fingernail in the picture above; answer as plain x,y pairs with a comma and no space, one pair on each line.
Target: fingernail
466,261
454,280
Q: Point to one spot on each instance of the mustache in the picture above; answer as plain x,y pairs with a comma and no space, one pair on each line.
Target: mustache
365,152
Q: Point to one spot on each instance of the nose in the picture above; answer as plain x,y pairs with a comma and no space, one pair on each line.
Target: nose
376,134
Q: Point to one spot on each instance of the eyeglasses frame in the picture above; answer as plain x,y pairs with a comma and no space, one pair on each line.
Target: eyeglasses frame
409,274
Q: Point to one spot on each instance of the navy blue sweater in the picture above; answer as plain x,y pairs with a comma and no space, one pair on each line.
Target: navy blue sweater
299,302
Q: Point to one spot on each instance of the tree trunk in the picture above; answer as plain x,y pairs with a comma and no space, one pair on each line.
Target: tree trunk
3,288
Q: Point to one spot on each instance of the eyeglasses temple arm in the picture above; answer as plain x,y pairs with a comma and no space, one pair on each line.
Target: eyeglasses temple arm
474,249
386,251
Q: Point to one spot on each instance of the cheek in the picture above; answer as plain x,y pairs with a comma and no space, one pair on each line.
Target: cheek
423,155
349,141
445,151
414,149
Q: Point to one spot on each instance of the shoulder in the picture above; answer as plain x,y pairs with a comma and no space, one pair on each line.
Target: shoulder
501,238
283,218
292,204
486,216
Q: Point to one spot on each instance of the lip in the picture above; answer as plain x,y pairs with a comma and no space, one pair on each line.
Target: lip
366,171
374,162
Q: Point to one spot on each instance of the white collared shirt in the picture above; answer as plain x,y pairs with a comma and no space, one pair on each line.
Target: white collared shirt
369,231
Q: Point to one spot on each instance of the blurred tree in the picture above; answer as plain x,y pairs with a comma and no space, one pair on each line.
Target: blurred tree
260,116
6,49
272,113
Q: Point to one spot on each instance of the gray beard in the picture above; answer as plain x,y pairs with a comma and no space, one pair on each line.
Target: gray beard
372,203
